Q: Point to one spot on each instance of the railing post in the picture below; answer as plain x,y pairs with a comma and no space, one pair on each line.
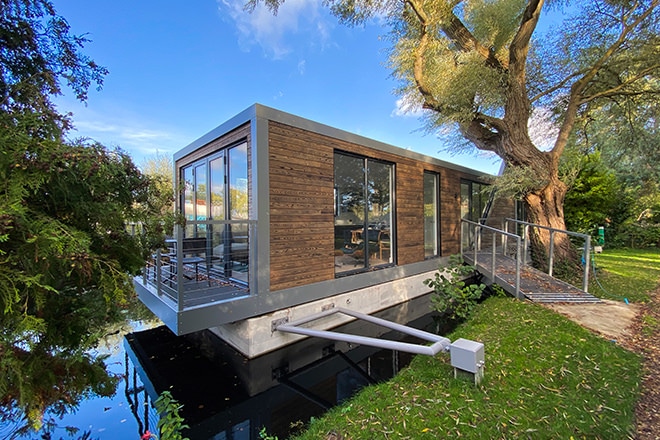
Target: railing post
518,258
504,237
179,268
158,277
552,252
587,250
493,256
463,225
525,243
476,243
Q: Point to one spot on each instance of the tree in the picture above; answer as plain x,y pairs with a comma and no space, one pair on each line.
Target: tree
475,64
593,196
66,258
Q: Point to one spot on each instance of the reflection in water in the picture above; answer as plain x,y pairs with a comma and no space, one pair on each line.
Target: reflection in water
226,396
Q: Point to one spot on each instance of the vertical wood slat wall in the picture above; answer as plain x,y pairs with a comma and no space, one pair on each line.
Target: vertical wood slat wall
301,205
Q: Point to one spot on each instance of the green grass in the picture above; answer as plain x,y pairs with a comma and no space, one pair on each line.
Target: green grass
626,273
546,377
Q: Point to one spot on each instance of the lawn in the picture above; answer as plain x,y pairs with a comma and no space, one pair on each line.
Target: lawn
546,377
626,273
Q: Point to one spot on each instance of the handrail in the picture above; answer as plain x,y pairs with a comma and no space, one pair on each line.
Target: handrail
525,237
478,228
176,289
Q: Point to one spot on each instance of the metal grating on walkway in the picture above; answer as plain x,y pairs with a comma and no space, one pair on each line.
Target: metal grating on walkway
535,285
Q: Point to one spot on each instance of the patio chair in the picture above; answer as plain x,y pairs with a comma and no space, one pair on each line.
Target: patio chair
191,254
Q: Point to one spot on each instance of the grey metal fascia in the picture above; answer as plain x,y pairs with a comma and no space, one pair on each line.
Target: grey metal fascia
207,316
323,129
241,118
260,278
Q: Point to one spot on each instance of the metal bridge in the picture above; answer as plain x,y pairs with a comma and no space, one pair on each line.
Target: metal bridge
501,257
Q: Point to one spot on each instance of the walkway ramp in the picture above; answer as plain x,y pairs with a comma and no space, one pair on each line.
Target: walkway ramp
506,264
535,285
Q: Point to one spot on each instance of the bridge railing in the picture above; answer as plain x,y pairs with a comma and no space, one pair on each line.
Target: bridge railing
476,231
525,235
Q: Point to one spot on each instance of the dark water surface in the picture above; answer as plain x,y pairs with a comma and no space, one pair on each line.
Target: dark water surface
226,396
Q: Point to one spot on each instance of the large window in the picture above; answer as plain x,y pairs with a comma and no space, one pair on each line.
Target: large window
431,214
215,204
474,199
364,235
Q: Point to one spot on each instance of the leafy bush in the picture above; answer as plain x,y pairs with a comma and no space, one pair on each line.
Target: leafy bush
452,296
170,423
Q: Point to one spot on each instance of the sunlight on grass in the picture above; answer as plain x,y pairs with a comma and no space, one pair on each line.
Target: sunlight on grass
626,273
545,376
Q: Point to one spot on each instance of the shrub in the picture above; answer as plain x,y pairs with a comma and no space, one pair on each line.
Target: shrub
452,296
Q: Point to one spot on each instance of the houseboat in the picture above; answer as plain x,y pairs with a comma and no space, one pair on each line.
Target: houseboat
287,217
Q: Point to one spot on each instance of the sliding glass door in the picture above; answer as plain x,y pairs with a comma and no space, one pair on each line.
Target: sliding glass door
215,205
363,213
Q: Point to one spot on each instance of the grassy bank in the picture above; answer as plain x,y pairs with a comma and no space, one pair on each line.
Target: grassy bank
546,377
626,273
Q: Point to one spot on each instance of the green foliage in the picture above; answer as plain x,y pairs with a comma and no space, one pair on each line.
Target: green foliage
263,435
66,258
171,423
37,53
452,296
593,196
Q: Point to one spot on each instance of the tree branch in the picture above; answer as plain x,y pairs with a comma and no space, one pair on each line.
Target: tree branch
578,87
418,66
556,87
619,89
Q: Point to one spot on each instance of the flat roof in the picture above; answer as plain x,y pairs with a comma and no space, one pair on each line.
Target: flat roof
259,111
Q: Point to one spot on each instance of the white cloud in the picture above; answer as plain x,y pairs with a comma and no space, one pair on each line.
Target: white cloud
269,31
136,137
407,107
543,131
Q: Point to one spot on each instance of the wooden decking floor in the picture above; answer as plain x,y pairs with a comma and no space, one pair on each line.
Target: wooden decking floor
535,285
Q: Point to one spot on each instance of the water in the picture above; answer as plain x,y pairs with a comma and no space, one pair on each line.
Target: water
224,395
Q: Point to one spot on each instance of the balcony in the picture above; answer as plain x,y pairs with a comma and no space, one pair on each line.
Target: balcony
204,266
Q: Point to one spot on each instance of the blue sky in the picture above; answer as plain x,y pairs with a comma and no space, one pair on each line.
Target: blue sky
179,69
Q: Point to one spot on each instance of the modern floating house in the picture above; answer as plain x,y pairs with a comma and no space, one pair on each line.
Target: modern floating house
287,217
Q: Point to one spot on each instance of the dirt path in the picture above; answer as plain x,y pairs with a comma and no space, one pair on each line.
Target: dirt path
636,327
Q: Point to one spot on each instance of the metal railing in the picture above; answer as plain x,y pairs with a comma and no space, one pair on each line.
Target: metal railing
553,231
168,269
478,229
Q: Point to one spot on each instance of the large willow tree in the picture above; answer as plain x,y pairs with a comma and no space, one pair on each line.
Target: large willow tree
475,65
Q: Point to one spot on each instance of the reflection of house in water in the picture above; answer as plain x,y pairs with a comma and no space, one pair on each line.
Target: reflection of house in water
227,396
295,217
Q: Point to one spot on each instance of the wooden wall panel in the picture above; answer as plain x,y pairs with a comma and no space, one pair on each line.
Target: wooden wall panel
301,204
301,195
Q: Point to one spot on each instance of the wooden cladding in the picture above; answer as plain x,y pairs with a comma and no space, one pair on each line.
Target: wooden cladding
301,207
301,173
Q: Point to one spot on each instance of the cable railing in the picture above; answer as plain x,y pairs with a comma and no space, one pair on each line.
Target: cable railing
474,241
525,235
211,256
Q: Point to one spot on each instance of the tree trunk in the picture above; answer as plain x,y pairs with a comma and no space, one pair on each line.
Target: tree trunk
546,208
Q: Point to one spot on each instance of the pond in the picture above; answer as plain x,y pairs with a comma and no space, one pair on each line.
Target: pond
225,395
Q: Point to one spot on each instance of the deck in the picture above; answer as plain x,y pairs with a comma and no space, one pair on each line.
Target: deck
535,285
198,288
